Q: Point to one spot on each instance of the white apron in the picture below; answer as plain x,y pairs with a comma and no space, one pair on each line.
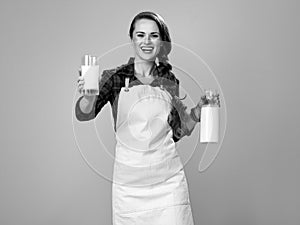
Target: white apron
149,184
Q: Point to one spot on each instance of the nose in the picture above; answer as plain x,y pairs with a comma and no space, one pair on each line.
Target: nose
147,39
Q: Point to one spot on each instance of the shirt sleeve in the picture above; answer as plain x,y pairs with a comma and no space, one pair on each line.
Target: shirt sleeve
180,129
105,94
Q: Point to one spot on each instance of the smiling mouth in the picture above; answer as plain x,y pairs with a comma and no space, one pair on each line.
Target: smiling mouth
147,49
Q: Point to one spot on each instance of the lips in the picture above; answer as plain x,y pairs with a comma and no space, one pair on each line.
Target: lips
147,49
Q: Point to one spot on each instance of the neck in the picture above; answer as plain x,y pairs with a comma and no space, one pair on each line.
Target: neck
143,67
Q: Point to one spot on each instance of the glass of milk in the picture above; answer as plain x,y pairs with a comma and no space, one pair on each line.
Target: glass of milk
90,72
210,124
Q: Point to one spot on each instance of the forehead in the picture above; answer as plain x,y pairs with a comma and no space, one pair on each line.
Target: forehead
146,25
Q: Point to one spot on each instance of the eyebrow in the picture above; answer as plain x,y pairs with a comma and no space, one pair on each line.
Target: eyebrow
144,32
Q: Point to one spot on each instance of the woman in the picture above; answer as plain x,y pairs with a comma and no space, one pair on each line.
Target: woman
149,185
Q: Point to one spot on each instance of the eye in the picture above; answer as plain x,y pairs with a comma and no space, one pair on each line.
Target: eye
155,35
140,35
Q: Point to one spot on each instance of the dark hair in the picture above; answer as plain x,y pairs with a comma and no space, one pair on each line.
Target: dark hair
163,30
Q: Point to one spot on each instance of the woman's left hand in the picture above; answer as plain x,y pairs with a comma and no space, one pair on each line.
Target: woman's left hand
199,105
196,111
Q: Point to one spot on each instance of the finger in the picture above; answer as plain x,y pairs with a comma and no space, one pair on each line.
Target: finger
200,103
80,89
80,79
81,83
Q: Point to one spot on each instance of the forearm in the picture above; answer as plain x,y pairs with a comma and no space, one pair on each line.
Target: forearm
190,124
85,108
190,120
86,104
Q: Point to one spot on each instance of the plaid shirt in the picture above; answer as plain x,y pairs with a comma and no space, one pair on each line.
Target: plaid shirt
113,80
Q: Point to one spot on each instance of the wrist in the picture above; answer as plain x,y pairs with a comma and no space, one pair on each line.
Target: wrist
89,99
86,104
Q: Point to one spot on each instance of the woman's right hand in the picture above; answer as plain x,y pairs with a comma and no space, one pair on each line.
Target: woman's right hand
80,82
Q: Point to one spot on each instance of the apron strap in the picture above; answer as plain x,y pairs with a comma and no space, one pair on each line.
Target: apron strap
127,84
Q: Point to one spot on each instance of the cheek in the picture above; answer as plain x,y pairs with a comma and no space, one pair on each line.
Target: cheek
135,44
134,40
158,46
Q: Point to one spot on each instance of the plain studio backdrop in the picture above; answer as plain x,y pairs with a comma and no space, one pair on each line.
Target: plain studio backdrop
251,46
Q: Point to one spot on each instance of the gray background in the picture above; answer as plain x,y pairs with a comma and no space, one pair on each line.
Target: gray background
252,46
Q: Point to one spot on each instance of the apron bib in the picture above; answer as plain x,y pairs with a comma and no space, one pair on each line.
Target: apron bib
149,185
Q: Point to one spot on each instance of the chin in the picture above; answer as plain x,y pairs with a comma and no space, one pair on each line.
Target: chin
150,59
147,58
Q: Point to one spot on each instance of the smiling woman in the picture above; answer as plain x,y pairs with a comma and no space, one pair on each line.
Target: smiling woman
149,182
146,40
157,22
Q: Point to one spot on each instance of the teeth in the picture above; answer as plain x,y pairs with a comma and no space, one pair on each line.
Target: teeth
147,48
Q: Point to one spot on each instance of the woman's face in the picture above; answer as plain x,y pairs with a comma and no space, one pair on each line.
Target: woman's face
146,40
